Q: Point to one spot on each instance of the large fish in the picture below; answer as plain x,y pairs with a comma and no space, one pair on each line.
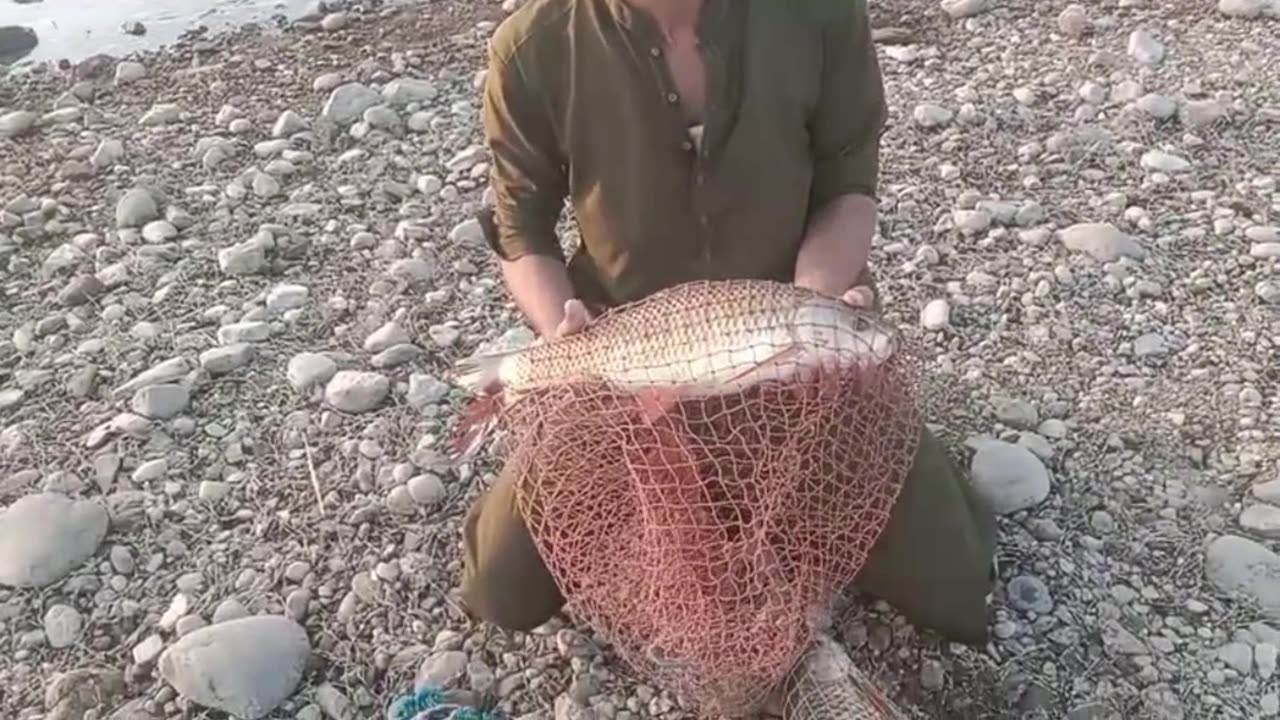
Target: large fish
696,339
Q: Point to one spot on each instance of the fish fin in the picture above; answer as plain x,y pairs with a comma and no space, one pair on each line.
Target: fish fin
478,373
475,423
771,361
655,403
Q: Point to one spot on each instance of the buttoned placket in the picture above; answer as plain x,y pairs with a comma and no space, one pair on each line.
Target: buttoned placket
667,87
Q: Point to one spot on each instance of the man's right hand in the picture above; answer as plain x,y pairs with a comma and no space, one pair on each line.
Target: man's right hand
576,318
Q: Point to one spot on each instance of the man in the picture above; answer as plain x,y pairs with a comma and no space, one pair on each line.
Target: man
700,139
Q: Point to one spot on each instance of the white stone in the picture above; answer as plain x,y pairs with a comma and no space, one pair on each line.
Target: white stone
245,667
936,315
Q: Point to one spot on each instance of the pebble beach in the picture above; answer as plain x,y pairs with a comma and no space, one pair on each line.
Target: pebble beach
235,268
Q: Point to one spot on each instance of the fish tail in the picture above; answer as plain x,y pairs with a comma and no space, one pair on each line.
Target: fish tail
478,418
480,373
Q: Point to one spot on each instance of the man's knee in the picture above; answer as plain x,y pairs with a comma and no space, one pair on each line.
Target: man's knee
933,562
504,579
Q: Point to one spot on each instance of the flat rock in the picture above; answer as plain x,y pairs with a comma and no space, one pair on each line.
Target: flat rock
1103,242
386,336
959,9
81,290
62,625
405,91
1009,477
1249,9
245,667
356,392
17,123
165,372
128,71
1262,520
306,370
348,102
1164,162
136,208
161,114
160,402
1145,48
223,360
46,536
1239,566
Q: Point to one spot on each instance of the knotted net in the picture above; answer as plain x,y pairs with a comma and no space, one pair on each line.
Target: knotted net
706,540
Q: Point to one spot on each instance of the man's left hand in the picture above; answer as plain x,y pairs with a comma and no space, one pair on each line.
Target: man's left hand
859,296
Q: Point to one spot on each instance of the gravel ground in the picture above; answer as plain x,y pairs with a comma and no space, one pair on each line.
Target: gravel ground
234,271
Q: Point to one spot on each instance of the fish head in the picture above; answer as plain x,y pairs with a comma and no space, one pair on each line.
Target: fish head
833,329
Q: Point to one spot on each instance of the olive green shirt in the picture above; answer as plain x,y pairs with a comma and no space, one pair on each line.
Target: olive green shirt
579,105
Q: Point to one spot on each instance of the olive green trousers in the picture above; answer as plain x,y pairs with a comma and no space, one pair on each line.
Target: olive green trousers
933,562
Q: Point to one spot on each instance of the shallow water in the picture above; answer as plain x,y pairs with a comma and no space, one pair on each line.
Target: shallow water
76,29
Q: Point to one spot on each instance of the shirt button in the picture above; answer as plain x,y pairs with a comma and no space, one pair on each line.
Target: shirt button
655,51
672,98
686,145
702,219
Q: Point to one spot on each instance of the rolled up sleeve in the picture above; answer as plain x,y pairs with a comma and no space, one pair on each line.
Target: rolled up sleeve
851,112
528,179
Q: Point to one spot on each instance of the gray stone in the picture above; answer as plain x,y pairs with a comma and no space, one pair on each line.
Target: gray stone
62,625
348,102
1029,594
44,537
442,670
128,72
1268,492
161,114
81,290
426,490
289,123
1145,48
245,667
1009,477
17,123
160,402
1239,566
136,208
1164,162
222,360
1101,241
356,392
306,370
406,91
1160,107
959,9
287,297
159,231
386,336
244,332
1237,656
108,153
246,258
1262,520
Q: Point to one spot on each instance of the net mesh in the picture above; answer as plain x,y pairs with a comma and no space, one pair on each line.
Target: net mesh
826,685
705,539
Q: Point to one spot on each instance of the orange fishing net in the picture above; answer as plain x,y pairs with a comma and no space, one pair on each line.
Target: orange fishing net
706,542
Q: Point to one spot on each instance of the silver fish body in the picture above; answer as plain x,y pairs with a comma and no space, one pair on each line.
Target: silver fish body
700,338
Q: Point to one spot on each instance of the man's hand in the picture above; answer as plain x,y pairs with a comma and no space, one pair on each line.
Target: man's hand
859,296
576,318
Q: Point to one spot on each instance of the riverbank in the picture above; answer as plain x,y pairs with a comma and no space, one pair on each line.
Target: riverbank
234,271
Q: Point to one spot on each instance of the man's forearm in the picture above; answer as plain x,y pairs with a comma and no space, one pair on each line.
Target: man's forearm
837,244
540,286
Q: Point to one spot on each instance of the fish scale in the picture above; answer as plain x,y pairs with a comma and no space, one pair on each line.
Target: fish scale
698,337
